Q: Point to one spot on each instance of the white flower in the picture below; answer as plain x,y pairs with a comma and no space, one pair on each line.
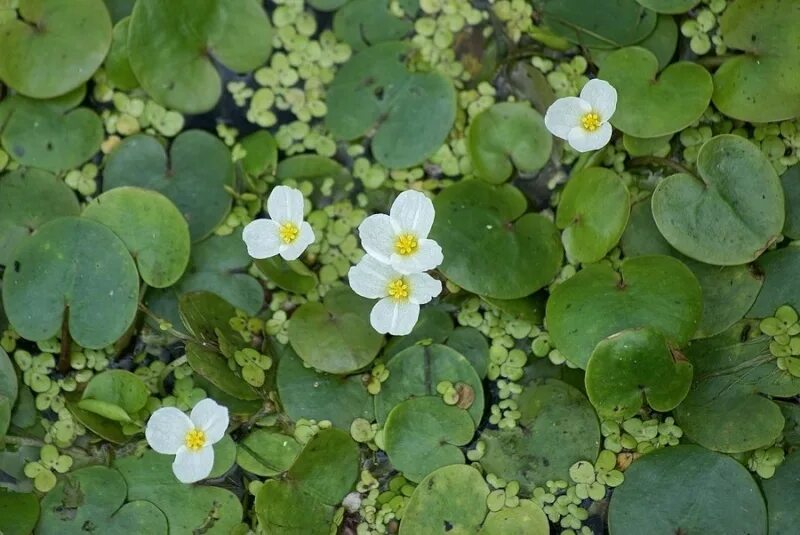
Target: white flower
400,239
583,121
189,438
285,233
400,294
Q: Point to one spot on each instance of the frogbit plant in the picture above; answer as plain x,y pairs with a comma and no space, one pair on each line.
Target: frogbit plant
584,121
189,438
285,233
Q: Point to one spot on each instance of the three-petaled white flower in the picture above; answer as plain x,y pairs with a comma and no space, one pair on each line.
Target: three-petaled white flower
189,438
583,121
400,294
285,233
400,239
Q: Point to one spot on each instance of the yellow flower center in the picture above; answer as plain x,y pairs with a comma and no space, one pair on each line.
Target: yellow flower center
591,121
406,244
398,289
288,232
195,439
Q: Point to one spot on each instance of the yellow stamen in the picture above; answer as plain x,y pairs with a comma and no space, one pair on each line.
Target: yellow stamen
591,121
288,232
398,290
406,244
195,439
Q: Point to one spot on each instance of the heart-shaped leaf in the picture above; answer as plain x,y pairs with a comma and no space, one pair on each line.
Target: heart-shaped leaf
30,198
635,364
362,23
662,42
653,105
118,387
423,434
19,512
193,35
335,336
686,489
193,176
782,492
592,212
649,291
136,216
267,453
117,64
670,7
68,38
505,136
327,468
728,215
780,268
374,91
435,508
476,223
527,518
72,270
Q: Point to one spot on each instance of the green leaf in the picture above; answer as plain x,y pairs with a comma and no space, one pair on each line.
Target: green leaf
117,64
423,434
104,409
103,427
686,489
790,180
633,366
193,35
335,336
782,492
476,223
265,452
649,291
68,38
284,509
290,275
328,466
118,387
224,457
214,367
193,176
506,136
136,215
73,270
362,23
207,317
652,105
262,153
671,7
527,518
728,215
18,512
434,325
592,212
780,268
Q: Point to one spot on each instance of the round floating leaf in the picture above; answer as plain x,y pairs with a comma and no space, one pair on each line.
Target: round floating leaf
635,364
306,393
68,38
791,431
687,489
423,434
267,453
641,236
649,291
762,84
327,5
72,270
262,153
653,105
416,371
505,136
782,492
671,7
327,468
727,408
662,42
290,275
593,212
8,395
283,508
451,500
105,428
189,37
476,222
374,92
361,23
117,388
117,64
527,518
30,198
95,497
434,325
598,23
18,512
224,457
335,336
780,268
48,134
558,428
731,213
473,345
137,216
193,176
790,181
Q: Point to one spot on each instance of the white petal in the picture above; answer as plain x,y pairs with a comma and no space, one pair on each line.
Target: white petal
584,141
370,277
413,212
285,204
377,236
427,256
262,238
192,466
166,430
601,96
393,317
299,245
212,418
423,288
565,114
